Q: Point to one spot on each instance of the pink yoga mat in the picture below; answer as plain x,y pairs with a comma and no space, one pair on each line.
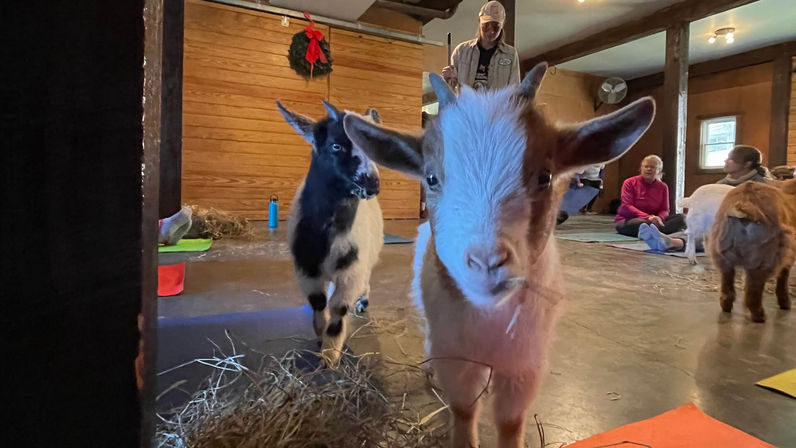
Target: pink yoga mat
683,427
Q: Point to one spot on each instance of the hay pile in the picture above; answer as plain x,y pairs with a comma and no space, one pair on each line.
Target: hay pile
218,224
288,404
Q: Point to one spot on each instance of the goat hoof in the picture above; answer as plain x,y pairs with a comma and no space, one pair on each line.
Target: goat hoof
758,317
362,304
784,305
331,357
726,304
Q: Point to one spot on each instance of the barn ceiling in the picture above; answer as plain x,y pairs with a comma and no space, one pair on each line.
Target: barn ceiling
543,25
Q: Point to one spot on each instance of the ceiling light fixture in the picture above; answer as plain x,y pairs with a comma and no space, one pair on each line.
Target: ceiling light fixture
728,34
581,1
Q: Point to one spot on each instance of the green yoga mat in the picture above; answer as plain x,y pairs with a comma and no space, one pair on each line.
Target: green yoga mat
188,245
596,237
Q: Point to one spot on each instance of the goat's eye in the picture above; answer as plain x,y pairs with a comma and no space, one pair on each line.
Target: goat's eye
432,180
336,147
545,179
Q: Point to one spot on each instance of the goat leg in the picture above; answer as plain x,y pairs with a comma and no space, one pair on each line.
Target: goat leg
462,383
513,395
753,296
783,297
727,289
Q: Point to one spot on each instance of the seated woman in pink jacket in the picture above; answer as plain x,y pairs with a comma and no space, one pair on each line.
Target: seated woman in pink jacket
645,199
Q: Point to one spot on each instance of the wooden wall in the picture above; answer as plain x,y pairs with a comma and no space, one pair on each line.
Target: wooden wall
372,71
792,116
237,149
745,92
568,97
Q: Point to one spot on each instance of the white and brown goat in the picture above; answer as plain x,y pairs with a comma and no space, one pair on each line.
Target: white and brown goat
335,229
487,274
755,228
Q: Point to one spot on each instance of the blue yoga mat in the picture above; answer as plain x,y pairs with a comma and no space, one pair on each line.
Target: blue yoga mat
596,237
395,239
577,198
643,247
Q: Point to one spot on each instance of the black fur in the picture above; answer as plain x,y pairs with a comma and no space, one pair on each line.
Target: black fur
317,301
327,206
335,328
347,259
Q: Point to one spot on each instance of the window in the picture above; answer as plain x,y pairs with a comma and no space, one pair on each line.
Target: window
717,139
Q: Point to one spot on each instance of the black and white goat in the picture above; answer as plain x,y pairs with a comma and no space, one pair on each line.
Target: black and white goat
335,228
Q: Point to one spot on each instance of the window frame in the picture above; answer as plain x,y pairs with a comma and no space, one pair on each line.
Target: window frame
703,124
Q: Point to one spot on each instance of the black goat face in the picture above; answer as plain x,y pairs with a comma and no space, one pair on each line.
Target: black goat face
335,151
346,165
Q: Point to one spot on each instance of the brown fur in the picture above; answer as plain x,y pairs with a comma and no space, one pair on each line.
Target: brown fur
755,228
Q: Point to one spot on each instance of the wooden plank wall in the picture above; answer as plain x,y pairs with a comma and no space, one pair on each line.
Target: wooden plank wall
237,149
372,71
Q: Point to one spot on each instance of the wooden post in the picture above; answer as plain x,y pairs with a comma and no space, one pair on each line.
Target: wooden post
508,27
155,119
780,105
171,118
673,112
79,182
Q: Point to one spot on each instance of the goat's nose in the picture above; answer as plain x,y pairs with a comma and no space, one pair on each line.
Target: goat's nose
485,260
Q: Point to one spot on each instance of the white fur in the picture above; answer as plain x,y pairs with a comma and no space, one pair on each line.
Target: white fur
702,206
484,145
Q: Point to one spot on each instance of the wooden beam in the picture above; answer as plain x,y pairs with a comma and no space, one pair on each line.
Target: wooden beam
76,197
780,106
686,11
155,50
171,118
508,26
675,105
736,61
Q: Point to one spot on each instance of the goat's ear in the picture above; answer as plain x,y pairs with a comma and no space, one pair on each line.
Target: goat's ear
402,152
605,138
532,81
444,93
302,124
374,114
333,112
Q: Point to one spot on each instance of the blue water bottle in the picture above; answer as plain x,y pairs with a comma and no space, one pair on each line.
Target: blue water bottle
273,212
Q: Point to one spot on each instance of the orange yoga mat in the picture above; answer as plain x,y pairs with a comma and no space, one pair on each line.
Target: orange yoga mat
171,279
683,427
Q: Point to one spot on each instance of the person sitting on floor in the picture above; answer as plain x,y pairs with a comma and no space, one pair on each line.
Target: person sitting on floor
591,177
743,164
645,200
173,228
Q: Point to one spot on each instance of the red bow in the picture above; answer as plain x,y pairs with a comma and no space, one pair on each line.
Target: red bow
314,51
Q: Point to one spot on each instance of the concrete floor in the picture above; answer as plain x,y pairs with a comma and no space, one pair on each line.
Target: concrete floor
641,334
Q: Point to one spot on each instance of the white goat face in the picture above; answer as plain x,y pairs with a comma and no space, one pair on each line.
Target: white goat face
490,162
479,184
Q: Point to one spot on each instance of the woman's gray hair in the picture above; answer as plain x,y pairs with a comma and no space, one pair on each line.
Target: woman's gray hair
659,164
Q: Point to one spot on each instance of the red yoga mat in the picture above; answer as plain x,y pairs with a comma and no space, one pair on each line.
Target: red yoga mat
683,427
171,279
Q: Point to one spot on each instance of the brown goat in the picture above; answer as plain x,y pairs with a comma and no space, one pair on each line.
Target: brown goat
755,228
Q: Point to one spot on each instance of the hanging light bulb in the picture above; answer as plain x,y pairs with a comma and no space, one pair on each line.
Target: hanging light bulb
712,40
581,1
729,38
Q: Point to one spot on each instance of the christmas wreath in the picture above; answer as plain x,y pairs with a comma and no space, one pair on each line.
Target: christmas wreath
309,53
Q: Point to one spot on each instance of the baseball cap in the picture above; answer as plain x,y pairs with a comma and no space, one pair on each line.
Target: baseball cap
492,12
